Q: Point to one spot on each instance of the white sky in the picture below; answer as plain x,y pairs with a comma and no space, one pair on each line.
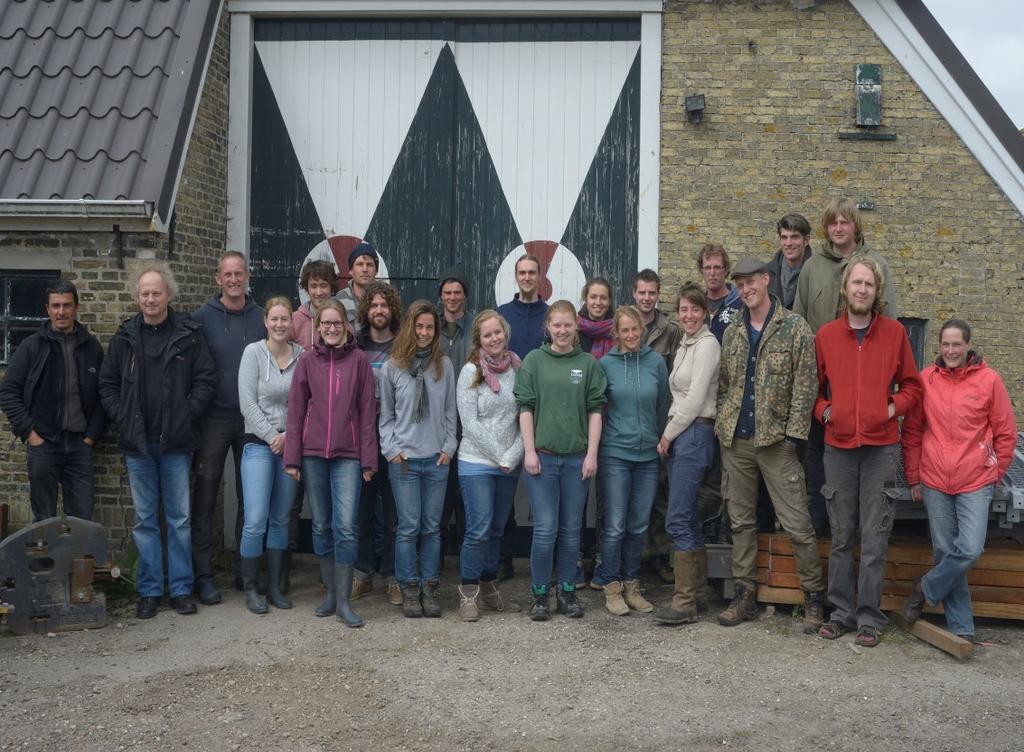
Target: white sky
990,34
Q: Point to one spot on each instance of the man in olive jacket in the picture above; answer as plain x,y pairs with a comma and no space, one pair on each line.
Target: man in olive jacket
767,383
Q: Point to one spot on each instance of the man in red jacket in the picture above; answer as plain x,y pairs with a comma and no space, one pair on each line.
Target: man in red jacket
861,356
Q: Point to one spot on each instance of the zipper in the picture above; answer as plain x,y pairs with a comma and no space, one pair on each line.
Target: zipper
330,405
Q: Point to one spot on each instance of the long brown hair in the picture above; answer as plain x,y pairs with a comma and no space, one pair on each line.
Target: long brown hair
474,353
404,349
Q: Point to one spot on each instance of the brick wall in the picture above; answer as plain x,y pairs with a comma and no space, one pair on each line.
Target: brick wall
779,87
104,290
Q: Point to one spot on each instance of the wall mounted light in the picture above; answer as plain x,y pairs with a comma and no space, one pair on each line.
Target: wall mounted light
694,108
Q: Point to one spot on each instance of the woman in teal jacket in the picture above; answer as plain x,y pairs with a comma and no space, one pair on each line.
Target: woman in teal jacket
629,465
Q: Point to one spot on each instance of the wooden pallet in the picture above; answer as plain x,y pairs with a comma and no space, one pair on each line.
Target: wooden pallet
996,580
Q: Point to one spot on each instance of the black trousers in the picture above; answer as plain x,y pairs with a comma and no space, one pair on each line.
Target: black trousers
67,463
218,434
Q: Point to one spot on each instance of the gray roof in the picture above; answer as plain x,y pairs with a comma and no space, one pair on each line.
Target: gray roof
97,96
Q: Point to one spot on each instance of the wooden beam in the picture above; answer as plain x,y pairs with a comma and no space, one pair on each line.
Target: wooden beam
935,636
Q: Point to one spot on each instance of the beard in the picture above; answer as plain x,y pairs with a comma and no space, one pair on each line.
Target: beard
860,309
380,323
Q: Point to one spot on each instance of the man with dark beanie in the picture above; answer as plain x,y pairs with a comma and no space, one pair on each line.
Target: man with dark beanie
230,321
363,264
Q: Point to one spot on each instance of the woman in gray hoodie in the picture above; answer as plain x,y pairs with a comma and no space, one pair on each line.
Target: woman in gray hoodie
417,436
264,378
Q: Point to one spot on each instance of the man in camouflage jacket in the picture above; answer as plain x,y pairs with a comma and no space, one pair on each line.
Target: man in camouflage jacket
766,389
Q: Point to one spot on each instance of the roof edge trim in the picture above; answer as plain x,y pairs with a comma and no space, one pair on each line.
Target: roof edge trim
979,128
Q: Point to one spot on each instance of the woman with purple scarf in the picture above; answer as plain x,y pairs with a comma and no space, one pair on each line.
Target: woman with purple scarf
594,320
489,458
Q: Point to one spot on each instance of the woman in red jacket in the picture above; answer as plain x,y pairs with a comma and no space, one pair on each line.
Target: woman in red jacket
331,435
956,446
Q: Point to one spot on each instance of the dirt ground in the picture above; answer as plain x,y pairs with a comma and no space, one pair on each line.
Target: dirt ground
226,679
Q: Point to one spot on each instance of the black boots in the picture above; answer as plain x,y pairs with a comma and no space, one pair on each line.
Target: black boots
276,565
566,601
329,604
250,570
431,606
343,585
411,606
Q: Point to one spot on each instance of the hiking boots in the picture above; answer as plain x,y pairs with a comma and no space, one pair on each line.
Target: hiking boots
683,607
540,609
743,607
814,612
634,598
915,603
394,594
468,595
565,599
492,599
431,606
613,600
411,606
361,588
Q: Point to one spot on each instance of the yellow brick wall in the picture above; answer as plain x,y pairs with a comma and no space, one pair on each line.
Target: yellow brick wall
779,88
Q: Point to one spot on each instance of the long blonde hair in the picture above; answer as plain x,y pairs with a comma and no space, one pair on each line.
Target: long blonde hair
474,354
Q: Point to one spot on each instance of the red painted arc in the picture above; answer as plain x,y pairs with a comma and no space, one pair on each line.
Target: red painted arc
544,250
341,246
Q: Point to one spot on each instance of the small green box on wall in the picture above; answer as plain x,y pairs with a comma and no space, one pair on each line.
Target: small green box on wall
868,87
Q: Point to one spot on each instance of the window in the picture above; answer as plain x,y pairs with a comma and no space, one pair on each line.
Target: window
22,307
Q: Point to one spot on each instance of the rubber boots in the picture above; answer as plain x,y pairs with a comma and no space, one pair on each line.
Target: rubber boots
703,588
250,572
275,563
683,607
329,604
343,585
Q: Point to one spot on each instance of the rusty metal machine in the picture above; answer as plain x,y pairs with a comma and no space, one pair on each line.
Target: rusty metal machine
47,570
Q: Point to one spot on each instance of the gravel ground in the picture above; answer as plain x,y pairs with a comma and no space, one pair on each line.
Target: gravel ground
225,679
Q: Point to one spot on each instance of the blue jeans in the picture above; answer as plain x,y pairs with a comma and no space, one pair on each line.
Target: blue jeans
268,499
377,525
958,525
333,488
419,486
691,455
156,478
558,495
628,489
488,502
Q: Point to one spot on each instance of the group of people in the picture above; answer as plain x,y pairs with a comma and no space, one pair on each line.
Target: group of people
772,374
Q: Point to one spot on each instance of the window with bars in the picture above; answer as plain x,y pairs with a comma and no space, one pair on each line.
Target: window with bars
22,306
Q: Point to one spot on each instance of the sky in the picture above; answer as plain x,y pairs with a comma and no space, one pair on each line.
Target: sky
990,34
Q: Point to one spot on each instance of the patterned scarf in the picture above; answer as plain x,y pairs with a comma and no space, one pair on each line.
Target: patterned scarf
491,367
420,363
600,333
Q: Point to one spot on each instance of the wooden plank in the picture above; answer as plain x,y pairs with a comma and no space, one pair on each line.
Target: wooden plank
897,571
779,595
795,596
936,636
982,593
1001,556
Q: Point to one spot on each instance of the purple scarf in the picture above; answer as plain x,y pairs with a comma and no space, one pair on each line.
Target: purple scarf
600,333
491,367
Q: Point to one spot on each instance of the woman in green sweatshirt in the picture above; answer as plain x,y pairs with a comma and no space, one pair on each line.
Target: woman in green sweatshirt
561,392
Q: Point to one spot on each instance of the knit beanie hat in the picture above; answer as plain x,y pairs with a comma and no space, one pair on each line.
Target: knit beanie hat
364,249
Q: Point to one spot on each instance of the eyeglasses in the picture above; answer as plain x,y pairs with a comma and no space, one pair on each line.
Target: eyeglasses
331,324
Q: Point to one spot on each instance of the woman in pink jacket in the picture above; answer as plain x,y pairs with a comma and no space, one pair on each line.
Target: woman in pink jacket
330,441
957,444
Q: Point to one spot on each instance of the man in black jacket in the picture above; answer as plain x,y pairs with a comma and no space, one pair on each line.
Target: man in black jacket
157,380
50,395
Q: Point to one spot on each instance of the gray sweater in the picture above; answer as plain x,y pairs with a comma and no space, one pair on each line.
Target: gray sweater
263,390
435,433
490,422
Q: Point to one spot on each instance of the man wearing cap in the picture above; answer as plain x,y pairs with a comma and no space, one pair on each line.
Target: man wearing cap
363,263
455,321
767,384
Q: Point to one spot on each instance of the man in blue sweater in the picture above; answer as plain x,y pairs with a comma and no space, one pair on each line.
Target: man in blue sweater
525,312
230,320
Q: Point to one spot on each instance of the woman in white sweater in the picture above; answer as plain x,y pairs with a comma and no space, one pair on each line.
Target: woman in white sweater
689,444
264,378
489,458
